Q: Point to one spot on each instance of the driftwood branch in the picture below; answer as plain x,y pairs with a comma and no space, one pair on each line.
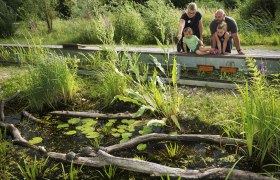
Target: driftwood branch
31,117
18,139
217,139
2,104
154,169
92,115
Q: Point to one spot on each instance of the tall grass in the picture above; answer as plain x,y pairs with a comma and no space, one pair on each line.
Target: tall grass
260,113
37,169
49,82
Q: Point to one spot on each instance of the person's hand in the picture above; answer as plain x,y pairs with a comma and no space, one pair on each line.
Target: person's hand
179,36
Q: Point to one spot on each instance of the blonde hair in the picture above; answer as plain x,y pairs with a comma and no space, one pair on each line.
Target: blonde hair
192,6
222,25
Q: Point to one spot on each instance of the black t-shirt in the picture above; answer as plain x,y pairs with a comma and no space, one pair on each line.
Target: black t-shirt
193,22
231,25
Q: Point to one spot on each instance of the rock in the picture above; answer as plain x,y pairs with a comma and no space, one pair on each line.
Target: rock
70,156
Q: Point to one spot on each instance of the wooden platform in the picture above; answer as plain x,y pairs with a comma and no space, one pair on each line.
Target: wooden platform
271,59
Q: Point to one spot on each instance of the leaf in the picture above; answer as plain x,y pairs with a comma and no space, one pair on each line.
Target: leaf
62,126
141,111
158,65
126,135
126,99
74,120
141,147
116,135
156,122
174,72
89,121
35,140
93,135
70,132
175,120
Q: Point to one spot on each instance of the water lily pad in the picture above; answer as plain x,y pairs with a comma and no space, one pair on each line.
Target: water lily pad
114,130
87,130
35,140
121,130
74,120
112,120
62,126
131,128
89,121
124,140
116,135
70,132
126,135
109,124
126,121
141,147
93,135
122,126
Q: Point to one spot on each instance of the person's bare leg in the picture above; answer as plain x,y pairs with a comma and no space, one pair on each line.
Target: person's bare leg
198,52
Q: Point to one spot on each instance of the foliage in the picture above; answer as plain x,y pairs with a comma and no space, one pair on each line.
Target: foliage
260,115
7,18
158,14
108,172
129,25
36,169
50,81
73,172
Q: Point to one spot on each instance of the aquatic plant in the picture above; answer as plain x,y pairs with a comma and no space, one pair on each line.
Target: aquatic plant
260,113
73,172
173,150
108,172
36,169
49,82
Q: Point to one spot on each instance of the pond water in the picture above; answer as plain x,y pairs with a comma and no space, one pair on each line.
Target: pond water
57,138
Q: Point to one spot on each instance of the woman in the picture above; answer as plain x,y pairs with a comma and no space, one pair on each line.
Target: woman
193,19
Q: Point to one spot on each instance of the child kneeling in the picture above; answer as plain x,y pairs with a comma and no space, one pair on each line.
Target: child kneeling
194,44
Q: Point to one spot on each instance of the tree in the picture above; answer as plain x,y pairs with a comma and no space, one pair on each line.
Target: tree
7,18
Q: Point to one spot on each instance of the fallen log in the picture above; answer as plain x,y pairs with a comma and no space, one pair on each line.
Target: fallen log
18,139
216,139
2,104
92,115
154,169
31,117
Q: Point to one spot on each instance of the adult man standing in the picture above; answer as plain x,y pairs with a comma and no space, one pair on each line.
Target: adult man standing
231,28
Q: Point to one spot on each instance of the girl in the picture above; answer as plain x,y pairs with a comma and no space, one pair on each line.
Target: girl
223,39
193,43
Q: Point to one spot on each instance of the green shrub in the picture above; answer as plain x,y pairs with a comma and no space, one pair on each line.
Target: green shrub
160,16
50,82
7,18
129,25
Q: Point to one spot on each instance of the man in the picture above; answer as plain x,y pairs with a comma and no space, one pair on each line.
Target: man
193,19
231,27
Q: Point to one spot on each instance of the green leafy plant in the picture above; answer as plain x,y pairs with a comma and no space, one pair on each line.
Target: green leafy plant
36,169
51,81
108,172
260,114
73,172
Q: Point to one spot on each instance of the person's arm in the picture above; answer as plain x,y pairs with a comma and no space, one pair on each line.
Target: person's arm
237,43
181,28
200,27
213,28
225,43
185,48
218,43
